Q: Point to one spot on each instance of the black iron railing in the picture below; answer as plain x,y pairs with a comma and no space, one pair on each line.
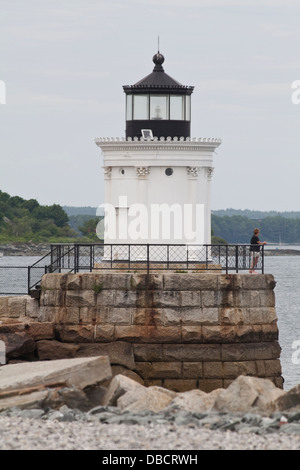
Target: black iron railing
143,258
148,258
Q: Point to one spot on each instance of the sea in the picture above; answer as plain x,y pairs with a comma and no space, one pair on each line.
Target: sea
286,272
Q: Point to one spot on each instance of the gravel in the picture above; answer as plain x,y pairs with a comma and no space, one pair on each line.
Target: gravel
106,428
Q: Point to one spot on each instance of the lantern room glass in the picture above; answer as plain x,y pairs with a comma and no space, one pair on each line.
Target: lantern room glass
141,107
159,107
177,108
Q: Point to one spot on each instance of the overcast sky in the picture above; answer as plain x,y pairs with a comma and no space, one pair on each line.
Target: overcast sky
64,64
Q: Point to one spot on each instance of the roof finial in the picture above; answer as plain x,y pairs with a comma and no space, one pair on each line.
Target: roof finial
158,44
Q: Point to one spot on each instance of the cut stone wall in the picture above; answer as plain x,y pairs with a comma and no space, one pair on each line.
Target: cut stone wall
177,330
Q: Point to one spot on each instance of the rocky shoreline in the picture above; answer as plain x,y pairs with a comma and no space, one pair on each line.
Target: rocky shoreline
25,249
76,404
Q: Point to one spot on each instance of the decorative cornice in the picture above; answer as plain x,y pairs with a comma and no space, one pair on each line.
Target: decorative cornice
161,143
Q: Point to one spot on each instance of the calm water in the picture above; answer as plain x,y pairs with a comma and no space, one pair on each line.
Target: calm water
286,271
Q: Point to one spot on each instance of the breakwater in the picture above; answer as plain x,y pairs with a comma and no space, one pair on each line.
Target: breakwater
176,330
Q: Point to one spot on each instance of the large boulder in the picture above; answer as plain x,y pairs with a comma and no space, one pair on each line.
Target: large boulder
130,395
146,398
118,386
196,400
247,394
34,383
289,400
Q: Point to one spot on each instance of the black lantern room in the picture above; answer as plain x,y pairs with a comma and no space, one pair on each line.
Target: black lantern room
158,105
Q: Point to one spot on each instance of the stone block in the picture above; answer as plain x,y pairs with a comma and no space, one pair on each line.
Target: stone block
273,368
250,351
192,370
75,333
175,316
52,298
247,298
218,298
83,298
260,316
147,352
184,282
52,281
31,308
151,316
230,282
166,299
267,298
3,307
88,315
191,334
40,331
258,282
106,298
148,282
68,315
114,316
119,352
190,299
17,306
180,385
232,316
213,370
73,282
49,314
234,369
159,370
52,350
218,334
208,385
84,334
192,352
148,334
125,298
104,333
95,281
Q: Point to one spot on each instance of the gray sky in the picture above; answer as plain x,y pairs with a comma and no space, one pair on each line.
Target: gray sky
64,64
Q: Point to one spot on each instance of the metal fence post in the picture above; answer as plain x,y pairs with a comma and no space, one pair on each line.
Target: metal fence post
28,279
148,258
226,259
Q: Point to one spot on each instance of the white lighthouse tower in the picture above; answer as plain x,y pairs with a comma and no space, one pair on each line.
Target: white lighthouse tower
158,178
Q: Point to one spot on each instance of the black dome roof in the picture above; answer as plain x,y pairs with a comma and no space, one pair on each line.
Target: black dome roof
158,79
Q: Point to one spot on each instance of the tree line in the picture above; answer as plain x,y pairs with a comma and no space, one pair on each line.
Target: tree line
239,229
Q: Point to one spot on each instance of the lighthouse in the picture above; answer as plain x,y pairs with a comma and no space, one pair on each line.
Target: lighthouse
157,177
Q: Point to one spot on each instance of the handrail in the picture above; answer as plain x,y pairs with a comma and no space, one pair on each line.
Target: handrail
146,257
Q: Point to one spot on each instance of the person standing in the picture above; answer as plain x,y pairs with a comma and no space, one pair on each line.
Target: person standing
255,250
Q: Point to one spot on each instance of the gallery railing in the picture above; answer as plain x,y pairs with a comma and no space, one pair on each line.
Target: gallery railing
147,258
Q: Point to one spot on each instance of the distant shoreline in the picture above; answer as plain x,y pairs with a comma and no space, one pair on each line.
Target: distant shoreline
282,252
25,249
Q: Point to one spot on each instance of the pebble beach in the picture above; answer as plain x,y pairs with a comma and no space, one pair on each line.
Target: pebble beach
69,430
